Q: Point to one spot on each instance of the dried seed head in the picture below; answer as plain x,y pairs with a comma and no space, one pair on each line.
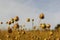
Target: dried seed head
16,18
23,32
12,20
6,22
34,27
9,22
1,22
28,19
18,32
41,16
32,19
16,26
48,25
57,27
9,30
51,33
43,25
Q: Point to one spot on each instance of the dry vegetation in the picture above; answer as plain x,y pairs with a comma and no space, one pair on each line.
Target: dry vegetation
14,33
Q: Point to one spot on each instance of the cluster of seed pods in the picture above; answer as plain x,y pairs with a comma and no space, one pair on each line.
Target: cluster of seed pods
11,21
16,26
44,25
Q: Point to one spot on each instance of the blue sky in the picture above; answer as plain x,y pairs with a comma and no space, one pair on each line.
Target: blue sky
31,9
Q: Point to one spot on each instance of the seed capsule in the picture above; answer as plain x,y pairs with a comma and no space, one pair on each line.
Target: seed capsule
8,36
12,20
9,22
51,33
16,18
41,16
16,26
43,25
28,19
1,22
9,30
32,19
48,25
34,27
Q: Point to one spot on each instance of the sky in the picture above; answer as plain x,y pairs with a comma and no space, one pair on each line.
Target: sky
30,9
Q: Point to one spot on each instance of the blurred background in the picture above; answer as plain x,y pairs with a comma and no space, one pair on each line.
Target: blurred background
30,9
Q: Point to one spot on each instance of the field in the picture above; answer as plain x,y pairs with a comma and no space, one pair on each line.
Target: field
30,35
17,33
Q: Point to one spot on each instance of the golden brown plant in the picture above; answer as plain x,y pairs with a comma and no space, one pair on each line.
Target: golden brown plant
41,16
12,20
34,27
9,22
16,18
43,25
50,33
9,30
32,19
28,19
16,26
1,22
48,25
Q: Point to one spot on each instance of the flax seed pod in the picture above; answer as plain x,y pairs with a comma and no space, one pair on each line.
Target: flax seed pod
12,20
16,18
1,22
16,26
57,27
48,26
32,19
34,27
50,33
41,16
9,30
43,25
9,22
28,19
23,32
